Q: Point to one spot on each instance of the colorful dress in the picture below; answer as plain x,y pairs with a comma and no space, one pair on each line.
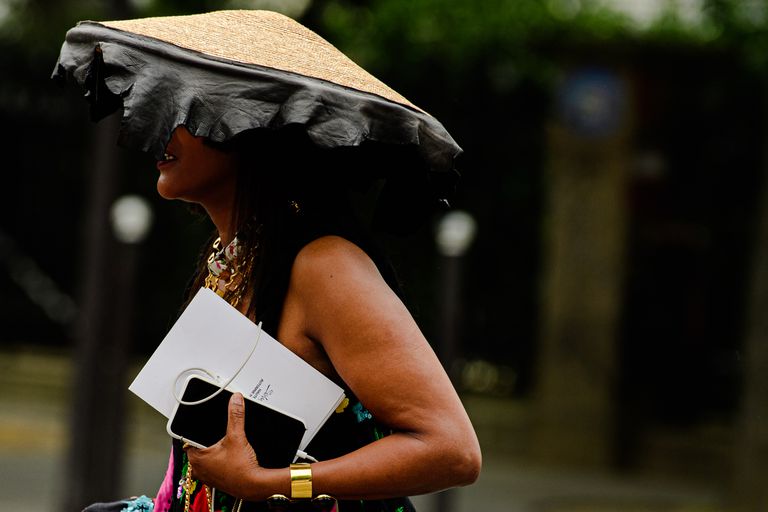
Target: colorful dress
345,431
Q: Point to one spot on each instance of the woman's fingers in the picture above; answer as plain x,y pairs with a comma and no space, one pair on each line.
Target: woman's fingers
233,451
236,420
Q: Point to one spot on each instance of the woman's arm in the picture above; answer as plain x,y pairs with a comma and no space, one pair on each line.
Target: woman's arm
377,349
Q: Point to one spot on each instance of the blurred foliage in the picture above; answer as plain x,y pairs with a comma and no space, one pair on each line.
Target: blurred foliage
459,34
390,34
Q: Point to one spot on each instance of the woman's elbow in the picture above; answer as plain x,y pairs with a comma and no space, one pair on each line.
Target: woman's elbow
466,463
471,465
463,455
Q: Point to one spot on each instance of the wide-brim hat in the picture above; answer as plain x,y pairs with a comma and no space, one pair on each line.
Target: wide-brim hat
225,73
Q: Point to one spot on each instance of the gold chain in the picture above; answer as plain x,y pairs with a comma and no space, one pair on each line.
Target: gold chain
234,287
189,489
232,290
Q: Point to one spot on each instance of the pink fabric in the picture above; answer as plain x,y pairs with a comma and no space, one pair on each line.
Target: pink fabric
165,493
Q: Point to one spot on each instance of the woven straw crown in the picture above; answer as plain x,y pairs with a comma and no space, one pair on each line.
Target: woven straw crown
262,38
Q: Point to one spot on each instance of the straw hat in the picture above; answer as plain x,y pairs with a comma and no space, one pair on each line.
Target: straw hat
227,72
262,38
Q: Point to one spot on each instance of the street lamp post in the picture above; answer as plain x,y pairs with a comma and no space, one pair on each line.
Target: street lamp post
455,234
131,219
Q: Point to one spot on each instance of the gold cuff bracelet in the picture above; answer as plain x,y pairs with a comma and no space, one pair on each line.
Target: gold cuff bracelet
301,481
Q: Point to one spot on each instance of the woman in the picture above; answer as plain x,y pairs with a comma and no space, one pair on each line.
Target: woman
340,315
291,254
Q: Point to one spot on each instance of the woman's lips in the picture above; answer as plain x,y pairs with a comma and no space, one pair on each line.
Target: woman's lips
168,159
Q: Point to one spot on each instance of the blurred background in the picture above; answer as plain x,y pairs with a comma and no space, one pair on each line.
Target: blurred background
599,297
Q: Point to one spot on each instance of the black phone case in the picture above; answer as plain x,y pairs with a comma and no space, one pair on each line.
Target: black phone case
274,436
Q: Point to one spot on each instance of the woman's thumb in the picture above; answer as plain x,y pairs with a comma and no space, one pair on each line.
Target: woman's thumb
236,420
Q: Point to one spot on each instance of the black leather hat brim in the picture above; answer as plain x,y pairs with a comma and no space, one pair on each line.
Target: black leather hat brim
160,86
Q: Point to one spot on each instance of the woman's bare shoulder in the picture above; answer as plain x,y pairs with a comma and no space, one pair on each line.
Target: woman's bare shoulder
334,287
332,258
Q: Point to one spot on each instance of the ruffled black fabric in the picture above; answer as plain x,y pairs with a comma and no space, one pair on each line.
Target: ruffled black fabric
160,86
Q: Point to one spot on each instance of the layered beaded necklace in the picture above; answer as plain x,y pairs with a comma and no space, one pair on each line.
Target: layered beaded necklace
229,270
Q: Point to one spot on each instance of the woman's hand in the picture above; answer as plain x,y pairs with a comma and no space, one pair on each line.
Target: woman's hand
230,464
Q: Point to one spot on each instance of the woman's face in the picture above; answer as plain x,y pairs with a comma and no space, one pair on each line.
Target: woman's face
196,172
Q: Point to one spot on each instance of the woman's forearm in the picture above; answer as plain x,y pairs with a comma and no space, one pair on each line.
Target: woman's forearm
401,464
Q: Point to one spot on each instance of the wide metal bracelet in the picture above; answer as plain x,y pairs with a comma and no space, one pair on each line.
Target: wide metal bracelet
301,481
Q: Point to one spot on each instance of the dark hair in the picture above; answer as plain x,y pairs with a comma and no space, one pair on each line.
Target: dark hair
290,192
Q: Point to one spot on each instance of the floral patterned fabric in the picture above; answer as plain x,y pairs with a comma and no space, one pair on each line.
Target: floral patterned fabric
348,429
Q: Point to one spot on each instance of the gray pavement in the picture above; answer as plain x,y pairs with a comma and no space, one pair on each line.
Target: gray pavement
34,413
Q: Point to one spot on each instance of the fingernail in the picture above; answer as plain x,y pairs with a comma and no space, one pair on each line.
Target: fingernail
238,399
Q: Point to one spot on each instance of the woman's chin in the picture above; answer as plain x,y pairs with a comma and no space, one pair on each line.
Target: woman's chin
165,189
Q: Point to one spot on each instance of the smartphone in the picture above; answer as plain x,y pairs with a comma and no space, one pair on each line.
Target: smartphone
273,434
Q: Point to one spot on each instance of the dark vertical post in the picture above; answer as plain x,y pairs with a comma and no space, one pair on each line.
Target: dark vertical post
450,315
94,459
455,233
751,450
88,477
589,147
450,321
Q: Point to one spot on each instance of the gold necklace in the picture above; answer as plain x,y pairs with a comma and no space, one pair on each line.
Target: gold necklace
229,270
228,275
